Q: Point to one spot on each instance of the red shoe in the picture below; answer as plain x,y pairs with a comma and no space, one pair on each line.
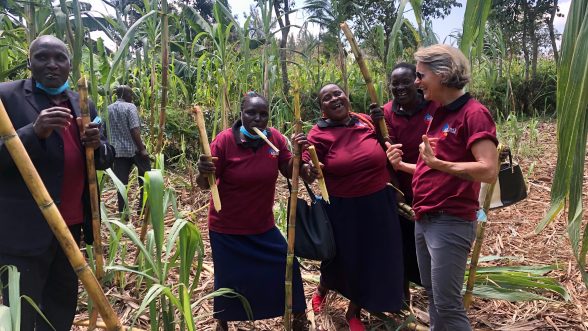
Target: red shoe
317,302
355,324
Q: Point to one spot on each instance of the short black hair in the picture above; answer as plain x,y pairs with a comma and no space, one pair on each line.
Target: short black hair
411,67
250,95
318,100
123,91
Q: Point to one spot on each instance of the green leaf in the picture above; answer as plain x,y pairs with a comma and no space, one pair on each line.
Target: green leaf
474,24
155,192
572,130
122,49
137,241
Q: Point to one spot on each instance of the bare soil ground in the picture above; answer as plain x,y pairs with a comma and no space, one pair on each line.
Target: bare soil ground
509,233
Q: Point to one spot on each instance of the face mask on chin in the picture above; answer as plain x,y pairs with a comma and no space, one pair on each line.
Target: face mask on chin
53,90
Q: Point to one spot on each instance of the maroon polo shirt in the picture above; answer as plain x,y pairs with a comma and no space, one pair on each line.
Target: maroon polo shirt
355,163
74,169
458,125
246,175
407,129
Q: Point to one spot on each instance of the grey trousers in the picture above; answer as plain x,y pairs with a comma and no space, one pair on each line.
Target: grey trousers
443,243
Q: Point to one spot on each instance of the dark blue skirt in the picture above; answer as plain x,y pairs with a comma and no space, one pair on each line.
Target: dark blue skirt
368,268
255,267
411,267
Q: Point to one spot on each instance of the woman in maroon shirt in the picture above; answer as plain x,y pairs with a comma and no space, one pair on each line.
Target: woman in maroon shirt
458,152
407,118
248,251
367,268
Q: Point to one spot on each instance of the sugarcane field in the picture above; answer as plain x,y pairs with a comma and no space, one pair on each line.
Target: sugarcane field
325,165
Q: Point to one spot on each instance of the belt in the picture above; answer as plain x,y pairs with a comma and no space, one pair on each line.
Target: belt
431,215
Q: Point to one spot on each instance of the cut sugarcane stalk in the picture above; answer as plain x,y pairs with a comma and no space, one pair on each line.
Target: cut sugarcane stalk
206,151
55,220
259,133
384,136
321,179
366,75
468,295
291,231
92,184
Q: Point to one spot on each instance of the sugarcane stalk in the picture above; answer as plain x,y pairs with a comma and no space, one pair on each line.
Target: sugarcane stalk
144,226
366,75
260,134
403,208
321,179
468,295
55,220
206,151
93,187
164,72
292,214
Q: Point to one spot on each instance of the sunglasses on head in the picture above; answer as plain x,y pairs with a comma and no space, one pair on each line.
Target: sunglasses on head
420,75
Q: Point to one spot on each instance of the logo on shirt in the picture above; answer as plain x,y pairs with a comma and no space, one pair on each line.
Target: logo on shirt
447,130
273,154
428,118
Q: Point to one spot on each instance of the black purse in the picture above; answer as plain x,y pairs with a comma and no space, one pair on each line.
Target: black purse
510,187
314,234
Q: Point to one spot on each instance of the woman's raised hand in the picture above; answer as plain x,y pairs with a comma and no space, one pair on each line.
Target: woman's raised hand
394,154
427,149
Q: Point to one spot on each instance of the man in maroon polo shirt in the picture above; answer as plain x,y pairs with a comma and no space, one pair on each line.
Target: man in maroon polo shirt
458,152
45,114
407,117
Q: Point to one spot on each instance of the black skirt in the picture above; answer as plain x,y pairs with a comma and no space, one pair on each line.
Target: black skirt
255,267
411,267
368,268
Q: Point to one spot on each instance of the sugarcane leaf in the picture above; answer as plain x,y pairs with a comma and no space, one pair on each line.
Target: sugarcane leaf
524,282
554,210
120,187
37,309
572,129
122,49
136,240
496,293
152,294
229,293
130,270
155,188
474,22
535,270
173,235
186,308
394,34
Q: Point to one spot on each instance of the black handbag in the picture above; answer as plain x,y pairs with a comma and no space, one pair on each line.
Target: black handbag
314,234
510,187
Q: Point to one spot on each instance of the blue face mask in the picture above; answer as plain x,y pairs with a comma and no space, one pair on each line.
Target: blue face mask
53,90
249,135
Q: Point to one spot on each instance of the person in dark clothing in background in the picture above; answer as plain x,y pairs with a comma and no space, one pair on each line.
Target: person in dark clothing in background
125,135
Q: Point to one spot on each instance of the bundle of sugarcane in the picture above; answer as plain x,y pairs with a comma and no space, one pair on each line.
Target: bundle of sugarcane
403,209
206,151
93,187
55,220
292,215
321,180
468,296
